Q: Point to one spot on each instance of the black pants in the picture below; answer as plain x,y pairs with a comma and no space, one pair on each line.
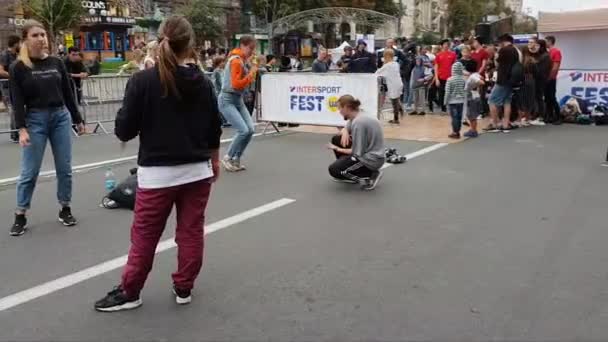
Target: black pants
347,166
540,101
551,106
485,107
432,96
397,108
441,91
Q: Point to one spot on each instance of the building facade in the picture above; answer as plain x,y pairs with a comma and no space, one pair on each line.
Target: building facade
422,16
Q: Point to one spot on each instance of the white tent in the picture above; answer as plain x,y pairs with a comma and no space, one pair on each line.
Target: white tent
338,52
581,36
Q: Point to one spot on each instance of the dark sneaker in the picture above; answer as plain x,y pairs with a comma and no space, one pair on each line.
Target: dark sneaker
182,297
371,183
422,113
117,300
20,225
471,134
413,113
454,136
66,218
394,122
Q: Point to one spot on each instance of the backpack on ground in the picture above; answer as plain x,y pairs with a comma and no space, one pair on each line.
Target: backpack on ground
123,195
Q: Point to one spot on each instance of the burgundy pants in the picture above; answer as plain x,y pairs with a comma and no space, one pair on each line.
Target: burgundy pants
152,208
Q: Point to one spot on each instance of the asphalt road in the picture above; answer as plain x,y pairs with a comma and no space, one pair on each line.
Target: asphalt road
500,238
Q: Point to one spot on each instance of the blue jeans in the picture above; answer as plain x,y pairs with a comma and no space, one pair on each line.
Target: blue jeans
55,125
456,114
233,109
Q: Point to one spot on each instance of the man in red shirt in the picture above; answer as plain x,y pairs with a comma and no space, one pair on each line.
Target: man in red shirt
443,69
552,107
481,56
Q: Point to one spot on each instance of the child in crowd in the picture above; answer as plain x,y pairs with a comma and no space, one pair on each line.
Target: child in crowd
473,87
468,63
390,72
455,98
217,78
418,81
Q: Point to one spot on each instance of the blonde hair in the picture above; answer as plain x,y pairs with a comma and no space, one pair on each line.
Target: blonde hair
24,52
389,55
152,49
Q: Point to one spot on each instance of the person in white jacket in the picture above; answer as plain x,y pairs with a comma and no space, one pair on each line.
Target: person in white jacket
391,72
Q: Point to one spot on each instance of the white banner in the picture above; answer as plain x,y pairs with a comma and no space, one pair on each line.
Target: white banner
590,85
312,99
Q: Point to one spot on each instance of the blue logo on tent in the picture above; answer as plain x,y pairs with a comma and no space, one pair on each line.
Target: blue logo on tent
575,76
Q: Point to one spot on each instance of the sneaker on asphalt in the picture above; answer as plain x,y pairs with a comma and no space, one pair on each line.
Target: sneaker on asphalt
19,226
413,113
492,129
227,165
66,218
454,136
471,134
117,300
371,183
344,181
421,113
507,129
238,166
537,122
182,297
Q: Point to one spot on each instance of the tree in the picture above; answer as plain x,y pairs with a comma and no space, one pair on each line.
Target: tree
271,10
55,15
203,15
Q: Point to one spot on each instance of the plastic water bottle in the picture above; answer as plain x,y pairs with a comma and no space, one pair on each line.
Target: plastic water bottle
110,179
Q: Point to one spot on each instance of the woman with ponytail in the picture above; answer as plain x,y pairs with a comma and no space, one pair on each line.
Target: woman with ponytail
45,110
173,109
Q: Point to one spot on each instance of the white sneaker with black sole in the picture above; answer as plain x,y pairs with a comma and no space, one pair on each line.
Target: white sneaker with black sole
182,297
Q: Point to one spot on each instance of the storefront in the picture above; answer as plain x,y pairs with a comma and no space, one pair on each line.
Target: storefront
105,31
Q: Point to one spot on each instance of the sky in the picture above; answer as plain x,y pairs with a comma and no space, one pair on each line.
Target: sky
562,5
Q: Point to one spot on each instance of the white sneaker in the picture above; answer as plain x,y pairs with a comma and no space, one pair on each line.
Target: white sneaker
537,122
525,123
227,164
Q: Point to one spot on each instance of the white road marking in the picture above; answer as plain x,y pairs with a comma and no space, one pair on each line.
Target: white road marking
93,271
85,167
419,153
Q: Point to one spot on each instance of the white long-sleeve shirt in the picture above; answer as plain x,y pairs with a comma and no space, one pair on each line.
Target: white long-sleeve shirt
391,73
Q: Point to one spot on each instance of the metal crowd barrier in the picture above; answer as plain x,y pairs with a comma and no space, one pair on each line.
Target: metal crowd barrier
5,110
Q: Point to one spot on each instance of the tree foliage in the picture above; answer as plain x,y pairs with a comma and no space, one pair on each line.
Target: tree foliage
275,9
203,15
463,15
55,15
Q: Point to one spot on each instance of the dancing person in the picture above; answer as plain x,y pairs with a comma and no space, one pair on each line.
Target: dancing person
7,58
45,110
551,106
455,97
237,78
173,109
443,70
359,149
390,72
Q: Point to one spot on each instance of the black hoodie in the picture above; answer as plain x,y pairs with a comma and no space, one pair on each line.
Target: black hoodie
172,130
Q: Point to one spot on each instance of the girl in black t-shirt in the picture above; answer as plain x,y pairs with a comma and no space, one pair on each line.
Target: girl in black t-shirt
45,110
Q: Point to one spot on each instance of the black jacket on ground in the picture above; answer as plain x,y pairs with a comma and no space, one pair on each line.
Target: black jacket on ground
172,130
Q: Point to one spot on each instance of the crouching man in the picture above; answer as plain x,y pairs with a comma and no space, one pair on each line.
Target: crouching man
359,149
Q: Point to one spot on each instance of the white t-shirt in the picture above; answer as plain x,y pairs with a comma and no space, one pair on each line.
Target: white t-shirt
158,177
